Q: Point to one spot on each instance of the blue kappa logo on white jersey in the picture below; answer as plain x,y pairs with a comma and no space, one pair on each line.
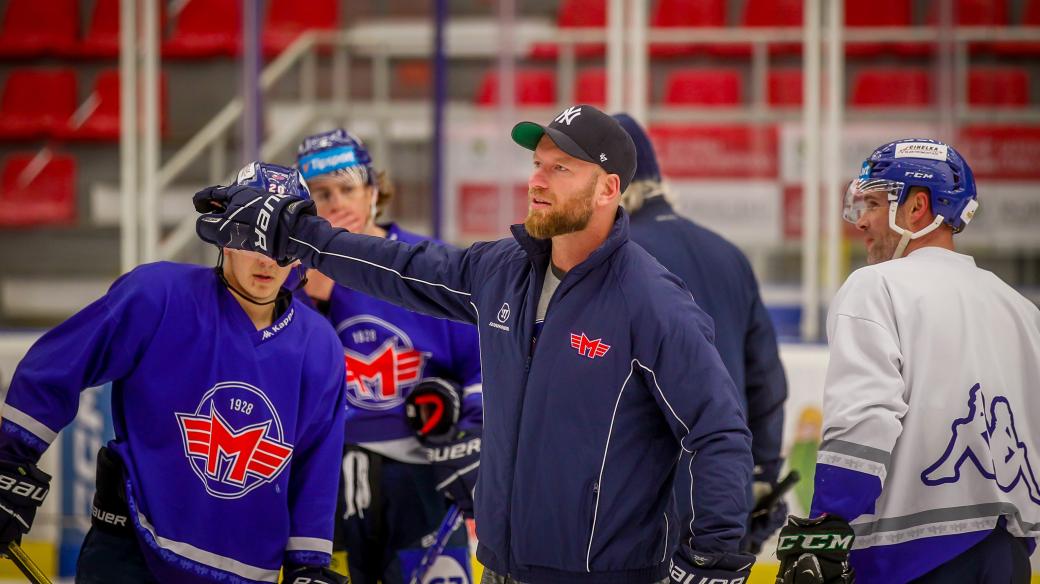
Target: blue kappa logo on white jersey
1004,458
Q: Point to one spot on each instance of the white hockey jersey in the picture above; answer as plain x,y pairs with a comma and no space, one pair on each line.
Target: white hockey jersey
931,434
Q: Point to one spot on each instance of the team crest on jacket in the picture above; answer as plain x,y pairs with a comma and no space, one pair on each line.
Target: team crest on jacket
986,441
382,364
234,440
589,348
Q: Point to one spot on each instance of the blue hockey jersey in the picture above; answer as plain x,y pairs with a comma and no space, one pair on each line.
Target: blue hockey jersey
582,432
226,432
388,350
723,285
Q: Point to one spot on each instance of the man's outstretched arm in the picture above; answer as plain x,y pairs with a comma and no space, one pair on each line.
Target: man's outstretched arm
430,277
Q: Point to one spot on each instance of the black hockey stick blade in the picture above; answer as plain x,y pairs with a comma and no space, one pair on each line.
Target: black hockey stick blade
26,564
769,501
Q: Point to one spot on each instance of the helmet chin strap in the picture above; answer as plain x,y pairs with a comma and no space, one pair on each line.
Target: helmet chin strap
219,269
905,234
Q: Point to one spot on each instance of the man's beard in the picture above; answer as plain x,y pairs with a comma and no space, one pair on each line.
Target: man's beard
561,219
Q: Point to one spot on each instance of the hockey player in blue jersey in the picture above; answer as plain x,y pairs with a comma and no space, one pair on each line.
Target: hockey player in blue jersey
927,468
598,364
228,403
392,494
722,282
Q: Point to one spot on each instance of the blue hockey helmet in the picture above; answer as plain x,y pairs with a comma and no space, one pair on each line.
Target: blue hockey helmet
273,178
898,166
335,152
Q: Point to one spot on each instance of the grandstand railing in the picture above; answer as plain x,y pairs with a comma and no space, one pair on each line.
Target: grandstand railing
473,38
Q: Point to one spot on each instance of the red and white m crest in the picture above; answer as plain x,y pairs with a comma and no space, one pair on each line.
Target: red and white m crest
386,370
589,348
248,450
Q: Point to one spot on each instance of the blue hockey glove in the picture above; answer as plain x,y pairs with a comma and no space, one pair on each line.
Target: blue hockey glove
245,217
23,487
815,551
433,409
312,575
455,465
692,567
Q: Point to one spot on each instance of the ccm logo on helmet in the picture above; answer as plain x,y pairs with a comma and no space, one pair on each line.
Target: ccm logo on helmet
264,220
916,174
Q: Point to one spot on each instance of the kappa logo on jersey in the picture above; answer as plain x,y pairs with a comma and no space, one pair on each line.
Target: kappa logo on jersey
989,441
381,362
589,348
234,440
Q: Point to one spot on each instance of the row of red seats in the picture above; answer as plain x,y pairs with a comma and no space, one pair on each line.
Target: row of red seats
202,28
37,188
788,13
41,102
871,87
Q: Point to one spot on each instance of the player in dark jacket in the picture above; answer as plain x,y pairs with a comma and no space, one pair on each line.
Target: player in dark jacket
598,366
228,404
723,284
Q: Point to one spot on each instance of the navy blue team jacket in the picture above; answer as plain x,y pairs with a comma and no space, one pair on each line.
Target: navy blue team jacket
583,428
722,282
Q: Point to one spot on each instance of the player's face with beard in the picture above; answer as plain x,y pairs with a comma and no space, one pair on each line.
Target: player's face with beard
566,214
559,193
254,274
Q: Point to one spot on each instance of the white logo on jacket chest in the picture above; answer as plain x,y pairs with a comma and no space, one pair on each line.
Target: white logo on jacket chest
502,316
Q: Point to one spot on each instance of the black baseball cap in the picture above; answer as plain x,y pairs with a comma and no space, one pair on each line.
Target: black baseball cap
588,134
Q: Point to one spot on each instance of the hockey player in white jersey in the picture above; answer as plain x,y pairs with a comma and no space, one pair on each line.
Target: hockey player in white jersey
927,469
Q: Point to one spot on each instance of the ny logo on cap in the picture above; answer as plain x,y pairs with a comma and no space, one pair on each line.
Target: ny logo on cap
568,115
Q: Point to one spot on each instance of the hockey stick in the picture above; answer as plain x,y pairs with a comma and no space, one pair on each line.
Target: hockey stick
26,564
769,501
452,521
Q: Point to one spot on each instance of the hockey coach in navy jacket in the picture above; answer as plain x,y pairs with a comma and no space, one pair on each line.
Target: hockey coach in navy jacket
599,367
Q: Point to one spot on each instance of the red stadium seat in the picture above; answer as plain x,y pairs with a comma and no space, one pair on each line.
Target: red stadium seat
998,87
1030,17
685,13
533,88
971,13
206,28
704,87
97,118
102,38
785,88
36,102
876,13
974,12
288,19
773,13
580,14
36,27
38,189
590,87
892,87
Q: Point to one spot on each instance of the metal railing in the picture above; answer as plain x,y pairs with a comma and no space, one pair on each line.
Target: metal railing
475,39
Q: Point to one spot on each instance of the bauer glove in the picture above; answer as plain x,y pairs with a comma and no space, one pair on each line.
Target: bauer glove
23,487
312,575
244,217
692,567
433,409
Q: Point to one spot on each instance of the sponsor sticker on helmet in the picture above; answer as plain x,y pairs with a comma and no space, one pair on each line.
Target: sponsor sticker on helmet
922,150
